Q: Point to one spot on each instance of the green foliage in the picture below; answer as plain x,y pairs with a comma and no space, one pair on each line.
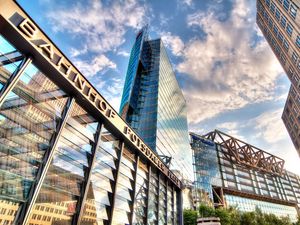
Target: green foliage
232,216
190,217
206,211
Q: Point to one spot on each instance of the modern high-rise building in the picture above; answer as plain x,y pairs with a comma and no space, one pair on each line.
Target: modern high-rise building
279,20
153,104
66,156
230,172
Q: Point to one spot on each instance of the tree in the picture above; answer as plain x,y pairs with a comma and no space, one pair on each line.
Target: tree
190,217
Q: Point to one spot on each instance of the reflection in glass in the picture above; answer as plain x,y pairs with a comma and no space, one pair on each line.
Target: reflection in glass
98,202
123,201
141,194
162,202
28,119
10,59
153,199
65,177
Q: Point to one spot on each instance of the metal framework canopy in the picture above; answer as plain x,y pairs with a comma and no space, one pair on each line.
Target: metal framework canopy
246,154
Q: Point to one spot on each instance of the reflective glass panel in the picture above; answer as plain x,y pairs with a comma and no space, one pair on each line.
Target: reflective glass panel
10,59
98,202
28,120
66,174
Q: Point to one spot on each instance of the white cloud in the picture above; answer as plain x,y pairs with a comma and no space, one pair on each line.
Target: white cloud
100,27
173,42
123,53
98,64
225,70
270,126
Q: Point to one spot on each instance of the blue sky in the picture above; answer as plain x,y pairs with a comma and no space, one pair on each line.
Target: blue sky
228,73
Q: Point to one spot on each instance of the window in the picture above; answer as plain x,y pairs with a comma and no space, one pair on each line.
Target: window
272,7
293,10
298,41
286,5
289,29
277,14
275,29
280,37
270,23
294,57
286,45
283,21
268,3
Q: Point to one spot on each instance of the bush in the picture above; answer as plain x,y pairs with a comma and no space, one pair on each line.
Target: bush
190,217
232,216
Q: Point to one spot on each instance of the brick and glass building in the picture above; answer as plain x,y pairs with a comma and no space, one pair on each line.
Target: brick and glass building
66,156
153,104
230,172
279,21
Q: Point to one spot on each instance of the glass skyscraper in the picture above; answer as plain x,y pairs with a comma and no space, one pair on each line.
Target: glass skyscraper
153,104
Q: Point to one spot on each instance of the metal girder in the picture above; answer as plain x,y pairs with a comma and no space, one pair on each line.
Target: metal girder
148,194
82,199
24,213
13,79
243,153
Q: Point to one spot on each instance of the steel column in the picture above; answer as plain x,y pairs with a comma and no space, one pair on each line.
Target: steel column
173,204
148,194
13,79
180,208
117,172
82,199
158,197
167,201
24,213
134,189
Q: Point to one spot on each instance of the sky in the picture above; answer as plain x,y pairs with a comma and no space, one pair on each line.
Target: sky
228,73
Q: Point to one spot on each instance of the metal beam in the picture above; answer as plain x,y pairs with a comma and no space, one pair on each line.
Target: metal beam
180,208
114,189
173,205
242,153
83,195
167,209
134,189
13,79
158,196
24,213
148,193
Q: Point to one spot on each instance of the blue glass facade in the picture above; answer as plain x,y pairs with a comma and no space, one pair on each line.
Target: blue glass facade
155,106
241,186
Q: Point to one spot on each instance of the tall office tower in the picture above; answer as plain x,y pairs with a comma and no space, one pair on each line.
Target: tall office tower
230,172
153,104
279,21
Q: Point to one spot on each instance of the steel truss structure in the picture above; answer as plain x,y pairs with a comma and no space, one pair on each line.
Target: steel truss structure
242,153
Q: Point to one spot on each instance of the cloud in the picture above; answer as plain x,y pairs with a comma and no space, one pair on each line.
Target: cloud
123,53
101,28
229,67
270,126
173,42
98,64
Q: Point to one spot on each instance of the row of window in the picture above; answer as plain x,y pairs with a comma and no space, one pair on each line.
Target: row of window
288,6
